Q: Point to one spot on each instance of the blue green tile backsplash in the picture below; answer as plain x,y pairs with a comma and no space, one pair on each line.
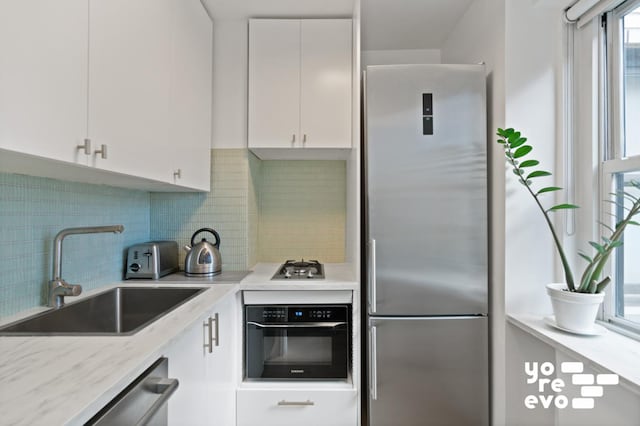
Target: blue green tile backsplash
34,209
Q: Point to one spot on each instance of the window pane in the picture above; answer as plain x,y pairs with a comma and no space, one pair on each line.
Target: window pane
631,40
627,276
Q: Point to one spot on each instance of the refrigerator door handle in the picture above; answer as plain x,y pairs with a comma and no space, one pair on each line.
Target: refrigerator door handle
372,276
374,364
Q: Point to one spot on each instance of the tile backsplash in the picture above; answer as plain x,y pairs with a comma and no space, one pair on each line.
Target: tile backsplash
264,211
33,210
302,210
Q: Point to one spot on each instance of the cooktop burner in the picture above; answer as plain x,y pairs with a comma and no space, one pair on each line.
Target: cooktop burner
295,270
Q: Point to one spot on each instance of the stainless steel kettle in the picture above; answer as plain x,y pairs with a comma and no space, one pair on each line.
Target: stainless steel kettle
203,259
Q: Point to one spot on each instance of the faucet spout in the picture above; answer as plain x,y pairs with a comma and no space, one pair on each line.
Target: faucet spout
58,288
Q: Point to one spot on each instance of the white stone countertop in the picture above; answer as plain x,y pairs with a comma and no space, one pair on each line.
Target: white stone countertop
610,352
56,380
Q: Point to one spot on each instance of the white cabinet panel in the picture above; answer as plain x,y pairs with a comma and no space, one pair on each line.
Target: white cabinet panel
325,97
300,74
129,77
190,93
43,77
297,407
274,83
206,395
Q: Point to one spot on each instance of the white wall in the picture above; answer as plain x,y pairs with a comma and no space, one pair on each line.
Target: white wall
479,37
230,79
400,56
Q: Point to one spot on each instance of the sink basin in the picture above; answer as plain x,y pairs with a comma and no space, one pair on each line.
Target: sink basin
120,311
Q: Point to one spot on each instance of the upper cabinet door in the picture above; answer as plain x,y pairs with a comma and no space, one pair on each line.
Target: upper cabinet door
190,94
274,83
43,77
325,105
129,77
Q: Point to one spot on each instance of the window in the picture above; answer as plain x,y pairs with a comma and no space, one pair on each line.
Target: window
621,156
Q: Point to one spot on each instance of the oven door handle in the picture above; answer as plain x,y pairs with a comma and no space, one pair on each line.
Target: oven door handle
305,325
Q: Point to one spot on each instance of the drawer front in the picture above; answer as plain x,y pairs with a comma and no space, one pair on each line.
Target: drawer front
295,407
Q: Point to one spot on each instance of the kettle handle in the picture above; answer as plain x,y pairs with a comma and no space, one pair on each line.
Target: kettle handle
215,234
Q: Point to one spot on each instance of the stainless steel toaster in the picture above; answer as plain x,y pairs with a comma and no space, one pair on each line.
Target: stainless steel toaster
152,260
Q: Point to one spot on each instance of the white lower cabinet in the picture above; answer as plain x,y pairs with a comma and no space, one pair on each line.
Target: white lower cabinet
204,364
295,407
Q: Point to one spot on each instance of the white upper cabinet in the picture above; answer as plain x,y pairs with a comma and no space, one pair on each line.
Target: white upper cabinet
133,78
129,77
300,94
274,83
190,94
43,77
325,95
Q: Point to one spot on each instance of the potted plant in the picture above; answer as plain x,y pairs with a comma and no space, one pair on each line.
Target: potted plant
575,303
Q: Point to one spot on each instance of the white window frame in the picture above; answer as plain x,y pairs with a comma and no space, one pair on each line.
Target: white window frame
611,150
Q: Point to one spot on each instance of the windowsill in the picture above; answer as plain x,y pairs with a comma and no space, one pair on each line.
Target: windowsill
611,352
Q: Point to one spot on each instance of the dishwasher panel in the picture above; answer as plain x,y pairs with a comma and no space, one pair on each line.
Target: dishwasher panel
143,402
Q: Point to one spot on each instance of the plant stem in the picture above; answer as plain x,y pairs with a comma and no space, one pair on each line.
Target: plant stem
565,263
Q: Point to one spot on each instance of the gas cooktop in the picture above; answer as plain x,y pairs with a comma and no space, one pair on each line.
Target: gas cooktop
303,270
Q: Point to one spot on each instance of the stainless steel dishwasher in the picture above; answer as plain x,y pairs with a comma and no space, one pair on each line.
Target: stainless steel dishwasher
143,402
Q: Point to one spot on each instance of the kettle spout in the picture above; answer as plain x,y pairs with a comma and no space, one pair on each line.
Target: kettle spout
187,248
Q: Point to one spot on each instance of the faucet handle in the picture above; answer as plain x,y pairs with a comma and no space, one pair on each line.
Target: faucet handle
76,289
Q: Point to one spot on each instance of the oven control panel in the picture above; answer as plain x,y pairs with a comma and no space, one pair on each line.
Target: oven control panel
297,314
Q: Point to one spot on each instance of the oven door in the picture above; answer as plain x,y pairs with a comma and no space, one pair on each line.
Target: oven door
309,351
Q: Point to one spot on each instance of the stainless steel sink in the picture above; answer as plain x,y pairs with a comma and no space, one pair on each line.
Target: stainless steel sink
119,311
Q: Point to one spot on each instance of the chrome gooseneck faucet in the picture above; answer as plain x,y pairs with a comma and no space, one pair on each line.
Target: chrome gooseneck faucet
58,287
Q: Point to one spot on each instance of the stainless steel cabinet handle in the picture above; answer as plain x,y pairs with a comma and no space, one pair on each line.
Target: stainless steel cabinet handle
304,139
86,146
177,174
296,403
372,276
165,388
217,320
210,325
305,325
102,151
293,139
374,363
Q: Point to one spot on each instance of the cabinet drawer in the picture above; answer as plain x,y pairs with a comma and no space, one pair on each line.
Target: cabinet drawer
295,407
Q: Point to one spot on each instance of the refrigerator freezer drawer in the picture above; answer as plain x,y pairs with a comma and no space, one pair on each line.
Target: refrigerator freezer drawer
428,371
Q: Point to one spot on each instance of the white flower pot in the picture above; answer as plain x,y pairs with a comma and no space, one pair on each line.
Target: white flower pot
574,311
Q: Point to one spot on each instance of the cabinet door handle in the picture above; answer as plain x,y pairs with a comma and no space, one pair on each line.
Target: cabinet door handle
293,139
177,174
102,151
210,325
304,139
296,403
372,276
86,147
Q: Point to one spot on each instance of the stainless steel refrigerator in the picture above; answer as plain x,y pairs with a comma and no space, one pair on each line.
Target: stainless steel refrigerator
427,250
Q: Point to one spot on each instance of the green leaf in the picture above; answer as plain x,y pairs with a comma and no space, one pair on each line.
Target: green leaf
548,189
563,207
585,257
529,163
522,151
502,141
597,247
518,172
633,222
615,244
517,142
513,136
592,287
600,287
538,173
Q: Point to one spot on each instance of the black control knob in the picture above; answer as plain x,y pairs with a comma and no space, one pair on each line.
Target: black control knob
135,267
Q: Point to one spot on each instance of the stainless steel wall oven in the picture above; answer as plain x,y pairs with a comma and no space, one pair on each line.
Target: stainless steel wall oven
301,342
